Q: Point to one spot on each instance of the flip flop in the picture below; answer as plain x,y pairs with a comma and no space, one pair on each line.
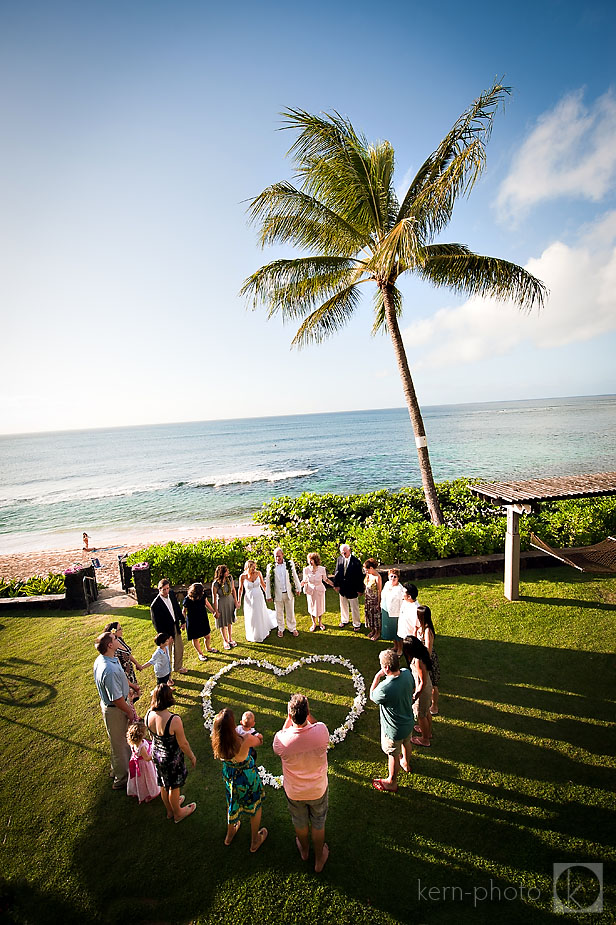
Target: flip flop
192,807
280,635
182,798
236,828
215,651
262,833
417,741
418,729
379,784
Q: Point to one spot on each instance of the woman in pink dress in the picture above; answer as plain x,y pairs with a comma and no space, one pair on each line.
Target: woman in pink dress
314,579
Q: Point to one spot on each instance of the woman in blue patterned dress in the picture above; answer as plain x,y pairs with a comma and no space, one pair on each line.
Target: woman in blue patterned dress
244,789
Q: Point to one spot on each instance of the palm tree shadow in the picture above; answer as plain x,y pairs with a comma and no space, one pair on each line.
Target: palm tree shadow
22,691
567,602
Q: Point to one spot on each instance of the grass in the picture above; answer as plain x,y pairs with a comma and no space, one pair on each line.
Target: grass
521,774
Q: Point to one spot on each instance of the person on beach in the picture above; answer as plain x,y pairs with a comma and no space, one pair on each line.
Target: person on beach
393,690
426,634
86,543
126,659
408,623
281,584
141,771
392,596
169,747
243,786
302,746
167,618
195,608
373,585
224,598
349,583
259,620
113,690
314,579
160,660
419,661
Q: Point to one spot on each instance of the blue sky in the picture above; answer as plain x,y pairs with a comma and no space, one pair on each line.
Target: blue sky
134,132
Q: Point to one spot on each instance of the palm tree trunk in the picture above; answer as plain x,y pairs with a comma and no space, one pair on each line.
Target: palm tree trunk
412,404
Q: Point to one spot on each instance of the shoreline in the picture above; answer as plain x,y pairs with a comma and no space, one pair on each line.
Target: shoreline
26,563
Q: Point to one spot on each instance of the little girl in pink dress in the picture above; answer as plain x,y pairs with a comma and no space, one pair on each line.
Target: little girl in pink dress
142,781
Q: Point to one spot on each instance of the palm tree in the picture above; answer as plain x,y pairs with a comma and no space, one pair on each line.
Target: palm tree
345,213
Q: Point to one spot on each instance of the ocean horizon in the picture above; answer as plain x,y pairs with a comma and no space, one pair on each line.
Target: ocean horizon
153,482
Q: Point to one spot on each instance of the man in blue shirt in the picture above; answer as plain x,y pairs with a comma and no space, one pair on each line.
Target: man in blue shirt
393,689
112,686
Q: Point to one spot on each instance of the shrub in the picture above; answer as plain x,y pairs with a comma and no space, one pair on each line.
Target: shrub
32,587
393,527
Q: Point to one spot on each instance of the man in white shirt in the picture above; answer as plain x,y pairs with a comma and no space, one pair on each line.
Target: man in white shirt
408,622
281,584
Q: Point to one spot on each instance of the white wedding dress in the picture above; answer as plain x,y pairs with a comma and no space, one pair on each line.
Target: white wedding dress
258,619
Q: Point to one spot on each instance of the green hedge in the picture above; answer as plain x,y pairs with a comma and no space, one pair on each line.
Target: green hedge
32,587
391,526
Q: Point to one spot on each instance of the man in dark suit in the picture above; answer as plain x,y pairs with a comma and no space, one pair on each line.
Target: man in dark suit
349,583
167,617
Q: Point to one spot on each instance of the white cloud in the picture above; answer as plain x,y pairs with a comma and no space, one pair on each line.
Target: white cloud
570,152
582,305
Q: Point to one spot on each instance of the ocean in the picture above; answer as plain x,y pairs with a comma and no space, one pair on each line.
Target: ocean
127,484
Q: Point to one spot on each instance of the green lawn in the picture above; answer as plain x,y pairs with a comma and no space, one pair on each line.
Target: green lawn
521,774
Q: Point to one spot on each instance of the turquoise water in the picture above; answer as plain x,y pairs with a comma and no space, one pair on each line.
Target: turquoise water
124,484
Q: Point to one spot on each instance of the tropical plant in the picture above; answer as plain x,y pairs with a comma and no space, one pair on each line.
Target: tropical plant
346,214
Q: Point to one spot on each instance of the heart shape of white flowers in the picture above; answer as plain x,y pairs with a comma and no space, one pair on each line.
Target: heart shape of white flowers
337,736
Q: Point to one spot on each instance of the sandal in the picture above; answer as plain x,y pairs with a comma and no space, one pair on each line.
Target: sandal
236,828
215,651
379,784
182,798
417,741
191,807
262,833
233,644
226,645
313,627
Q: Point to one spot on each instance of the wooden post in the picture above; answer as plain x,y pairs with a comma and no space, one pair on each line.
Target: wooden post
512,554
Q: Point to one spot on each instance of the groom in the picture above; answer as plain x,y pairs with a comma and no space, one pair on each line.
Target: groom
285,583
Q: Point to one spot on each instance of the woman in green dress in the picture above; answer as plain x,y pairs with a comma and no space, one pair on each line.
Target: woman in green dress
243,786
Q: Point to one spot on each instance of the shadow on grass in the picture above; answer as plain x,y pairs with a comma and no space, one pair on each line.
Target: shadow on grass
566,602
19,690
486,811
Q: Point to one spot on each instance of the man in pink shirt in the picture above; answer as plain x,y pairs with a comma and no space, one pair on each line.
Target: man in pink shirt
302,745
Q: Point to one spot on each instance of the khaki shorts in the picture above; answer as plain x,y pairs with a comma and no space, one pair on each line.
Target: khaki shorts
421,707
391,747
309,811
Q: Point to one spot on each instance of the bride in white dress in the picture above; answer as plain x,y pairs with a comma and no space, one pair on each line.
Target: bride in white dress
258,619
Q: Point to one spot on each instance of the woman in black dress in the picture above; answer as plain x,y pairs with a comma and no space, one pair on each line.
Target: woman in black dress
169,745
195,608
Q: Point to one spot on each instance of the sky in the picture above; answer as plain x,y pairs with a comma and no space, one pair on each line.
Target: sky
133,134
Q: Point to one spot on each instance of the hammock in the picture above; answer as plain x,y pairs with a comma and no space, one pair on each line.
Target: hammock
599,558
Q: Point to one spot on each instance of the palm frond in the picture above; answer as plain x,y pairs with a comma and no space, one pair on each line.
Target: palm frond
287,214
293,287
380,325
454,167
340,168
398,250
329,318
473,274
